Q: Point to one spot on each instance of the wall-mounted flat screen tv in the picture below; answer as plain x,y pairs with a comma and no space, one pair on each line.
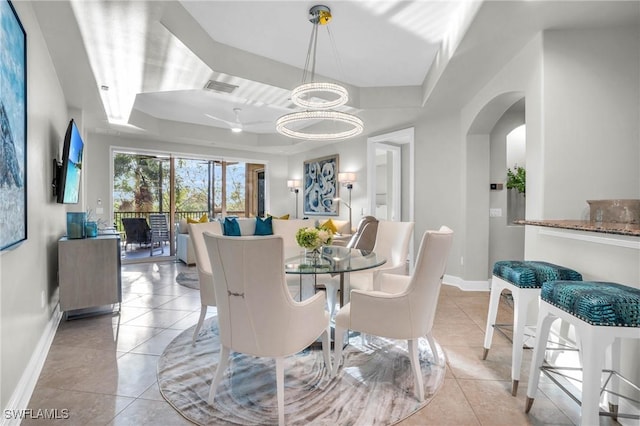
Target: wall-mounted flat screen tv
68,180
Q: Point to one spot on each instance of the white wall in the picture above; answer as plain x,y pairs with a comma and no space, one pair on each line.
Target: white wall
477,208
28,272
591,110
439,175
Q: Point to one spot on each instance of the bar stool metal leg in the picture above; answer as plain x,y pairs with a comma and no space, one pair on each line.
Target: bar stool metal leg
497,286
522,297
612,398
595,345
545,319
521,300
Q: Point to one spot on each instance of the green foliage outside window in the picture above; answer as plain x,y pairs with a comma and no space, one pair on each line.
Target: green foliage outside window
141,184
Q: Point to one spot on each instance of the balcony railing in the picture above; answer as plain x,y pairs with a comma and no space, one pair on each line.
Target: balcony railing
192,214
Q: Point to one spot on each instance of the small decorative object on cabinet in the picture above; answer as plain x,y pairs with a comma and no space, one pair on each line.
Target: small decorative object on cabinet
76,225
91,229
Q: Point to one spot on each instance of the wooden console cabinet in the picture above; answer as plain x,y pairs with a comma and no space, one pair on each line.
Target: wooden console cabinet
89,272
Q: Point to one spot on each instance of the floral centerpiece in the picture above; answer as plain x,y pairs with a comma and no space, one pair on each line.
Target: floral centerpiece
313,238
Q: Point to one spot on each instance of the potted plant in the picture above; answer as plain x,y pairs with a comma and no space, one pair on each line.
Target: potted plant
517,179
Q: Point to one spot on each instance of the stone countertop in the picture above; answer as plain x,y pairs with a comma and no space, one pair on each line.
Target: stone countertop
631,229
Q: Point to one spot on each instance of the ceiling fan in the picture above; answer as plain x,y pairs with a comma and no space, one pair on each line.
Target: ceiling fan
237,125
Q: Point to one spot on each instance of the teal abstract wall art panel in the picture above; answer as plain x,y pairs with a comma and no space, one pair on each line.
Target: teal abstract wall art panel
320,186
13,128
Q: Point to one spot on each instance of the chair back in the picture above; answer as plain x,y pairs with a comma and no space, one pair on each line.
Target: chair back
392,242
254,304
196,234
287,228
136,230
365,236
159,227
424,287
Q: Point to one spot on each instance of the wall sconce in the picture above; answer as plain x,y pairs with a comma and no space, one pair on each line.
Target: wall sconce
294,186
347,179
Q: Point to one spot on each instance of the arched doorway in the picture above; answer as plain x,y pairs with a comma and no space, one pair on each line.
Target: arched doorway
484,166
507,152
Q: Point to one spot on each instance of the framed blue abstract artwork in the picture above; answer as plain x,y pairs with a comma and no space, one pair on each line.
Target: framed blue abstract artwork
13,128
321,186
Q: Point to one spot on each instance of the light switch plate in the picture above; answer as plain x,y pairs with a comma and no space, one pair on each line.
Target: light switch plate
495,212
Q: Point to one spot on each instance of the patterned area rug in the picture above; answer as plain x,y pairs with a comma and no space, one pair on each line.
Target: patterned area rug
188,279
375,386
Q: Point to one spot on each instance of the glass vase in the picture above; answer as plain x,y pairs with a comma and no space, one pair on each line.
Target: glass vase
75,225
312,255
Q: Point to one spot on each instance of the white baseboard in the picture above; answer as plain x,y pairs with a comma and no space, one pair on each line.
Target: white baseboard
466,285
22,394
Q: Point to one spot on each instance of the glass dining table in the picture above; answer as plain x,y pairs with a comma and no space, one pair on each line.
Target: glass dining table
333,260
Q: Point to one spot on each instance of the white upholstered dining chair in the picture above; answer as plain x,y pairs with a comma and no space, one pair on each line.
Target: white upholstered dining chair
404,307
392,243
203,265
256,314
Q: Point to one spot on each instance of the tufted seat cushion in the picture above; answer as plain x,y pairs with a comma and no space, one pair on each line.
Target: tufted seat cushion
531,274
595,302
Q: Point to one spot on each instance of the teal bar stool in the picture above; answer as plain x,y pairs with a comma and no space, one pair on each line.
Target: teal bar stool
602,314
524,279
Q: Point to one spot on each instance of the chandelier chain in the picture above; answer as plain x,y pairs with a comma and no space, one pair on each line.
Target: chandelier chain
335,54
310,63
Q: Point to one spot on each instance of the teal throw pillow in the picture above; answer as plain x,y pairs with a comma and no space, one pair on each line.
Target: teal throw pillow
231,227
264,226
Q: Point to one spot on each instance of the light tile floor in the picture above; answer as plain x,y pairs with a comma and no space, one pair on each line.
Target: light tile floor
103,369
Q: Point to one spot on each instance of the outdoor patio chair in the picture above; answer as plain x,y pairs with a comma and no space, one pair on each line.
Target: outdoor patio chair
159,230
136,231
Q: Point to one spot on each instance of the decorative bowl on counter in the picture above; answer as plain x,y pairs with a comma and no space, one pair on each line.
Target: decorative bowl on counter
618,211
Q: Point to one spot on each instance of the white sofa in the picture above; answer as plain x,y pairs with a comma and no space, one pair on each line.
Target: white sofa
343,235
184,249
286,228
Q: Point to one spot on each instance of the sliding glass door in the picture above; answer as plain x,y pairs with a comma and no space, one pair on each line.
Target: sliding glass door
179,188
141,188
